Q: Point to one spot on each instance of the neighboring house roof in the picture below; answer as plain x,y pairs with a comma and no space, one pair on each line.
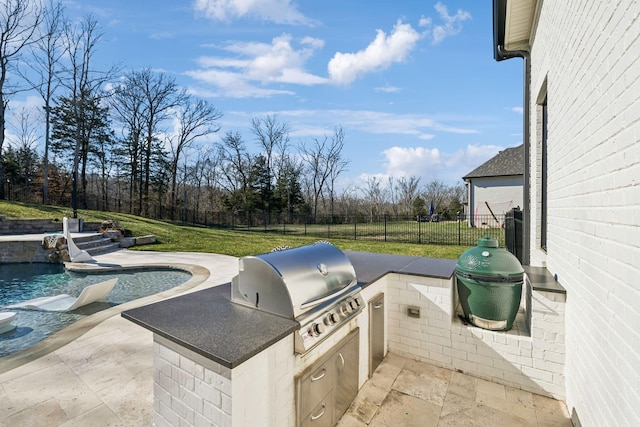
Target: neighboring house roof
505,163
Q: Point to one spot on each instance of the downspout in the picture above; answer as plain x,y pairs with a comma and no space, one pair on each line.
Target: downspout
506,54
499,54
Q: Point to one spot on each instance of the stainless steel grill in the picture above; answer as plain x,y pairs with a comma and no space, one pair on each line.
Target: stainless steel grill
314,285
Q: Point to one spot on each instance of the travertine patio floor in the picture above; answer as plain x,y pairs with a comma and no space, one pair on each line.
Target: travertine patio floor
104,378
403,392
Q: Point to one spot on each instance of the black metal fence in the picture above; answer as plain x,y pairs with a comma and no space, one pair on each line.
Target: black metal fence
421,230
513,233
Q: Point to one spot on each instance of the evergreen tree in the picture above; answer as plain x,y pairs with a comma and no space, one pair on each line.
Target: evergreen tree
260,185
76,137
20,171
288,197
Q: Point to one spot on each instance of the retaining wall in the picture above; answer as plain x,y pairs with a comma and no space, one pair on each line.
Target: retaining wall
23,251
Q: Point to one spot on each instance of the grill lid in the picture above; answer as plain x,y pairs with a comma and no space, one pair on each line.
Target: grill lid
292,282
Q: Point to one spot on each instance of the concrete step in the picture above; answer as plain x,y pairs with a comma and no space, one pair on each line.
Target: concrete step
108,247
92,243
86,238
96,244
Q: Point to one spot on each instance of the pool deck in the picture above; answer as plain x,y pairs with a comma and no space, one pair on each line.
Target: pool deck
100,374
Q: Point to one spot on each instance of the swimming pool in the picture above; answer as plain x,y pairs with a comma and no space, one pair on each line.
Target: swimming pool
20,282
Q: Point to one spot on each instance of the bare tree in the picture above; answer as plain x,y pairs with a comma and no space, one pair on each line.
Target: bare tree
127,106
324,163
196,118
19,20
407,192
236,166
349,203
271,135
436,191
210,169
23,159
161,95
336,163
44,65
204,173
85,85
393,195
375,195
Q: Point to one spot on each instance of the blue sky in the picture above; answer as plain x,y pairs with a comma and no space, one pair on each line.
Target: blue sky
413,84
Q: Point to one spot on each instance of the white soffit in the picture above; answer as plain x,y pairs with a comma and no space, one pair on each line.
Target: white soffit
518,22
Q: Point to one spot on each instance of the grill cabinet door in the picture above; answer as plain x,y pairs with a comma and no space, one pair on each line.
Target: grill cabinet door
346,361
376,332
325,390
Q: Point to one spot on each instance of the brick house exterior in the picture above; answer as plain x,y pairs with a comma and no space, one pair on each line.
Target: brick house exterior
582,185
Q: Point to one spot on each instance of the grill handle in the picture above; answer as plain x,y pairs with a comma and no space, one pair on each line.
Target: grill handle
324,409
317,301
321,376
342,361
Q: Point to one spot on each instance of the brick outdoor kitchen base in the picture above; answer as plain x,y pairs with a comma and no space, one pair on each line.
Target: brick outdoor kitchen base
255,385
529,357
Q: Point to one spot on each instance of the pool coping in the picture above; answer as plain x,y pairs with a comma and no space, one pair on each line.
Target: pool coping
199,275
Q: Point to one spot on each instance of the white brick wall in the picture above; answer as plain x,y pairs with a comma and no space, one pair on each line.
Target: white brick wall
588,53
263,387
191,390
532,362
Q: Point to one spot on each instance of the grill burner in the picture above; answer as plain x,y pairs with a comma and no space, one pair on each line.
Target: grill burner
314,285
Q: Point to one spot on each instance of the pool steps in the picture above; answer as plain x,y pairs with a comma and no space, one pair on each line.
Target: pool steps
96,244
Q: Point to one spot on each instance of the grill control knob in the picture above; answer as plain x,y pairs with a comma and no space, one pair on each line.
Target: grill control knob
346,309
317,328
331,319
353,304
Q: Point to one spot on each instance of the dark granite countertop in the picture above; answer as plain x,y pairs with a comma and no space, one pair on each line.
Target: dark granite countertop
542,280
370,267
210,324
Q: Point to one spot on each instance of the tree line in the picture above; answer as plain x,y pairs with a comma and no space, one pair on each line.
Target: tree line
136,142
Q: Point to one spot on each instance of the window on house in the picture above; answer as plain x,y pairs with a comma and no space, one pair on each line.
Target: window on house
543,178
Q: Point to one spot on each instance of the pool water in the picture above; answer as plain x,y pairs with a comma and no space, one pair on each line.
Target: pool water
20,282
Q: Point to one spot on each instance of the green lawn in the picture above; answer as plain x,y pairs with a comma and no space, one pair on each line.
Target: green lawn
177,237
401,231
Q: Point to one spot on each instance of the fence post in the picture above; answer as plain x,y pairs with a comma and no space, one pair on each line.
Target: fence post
385,226
458,216
419,229
355,228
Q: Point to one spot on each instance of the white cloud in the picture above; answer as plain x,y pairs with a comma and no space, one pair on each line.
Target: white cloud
374,122
407,124
452,24
387,89
518,110
424,21
472,156
401,161
263,63
432,163
385,50
229,84
278,11
162,35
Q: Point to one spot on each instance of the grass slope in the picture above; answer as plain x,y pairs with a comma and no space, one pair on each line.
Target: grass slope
177,237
